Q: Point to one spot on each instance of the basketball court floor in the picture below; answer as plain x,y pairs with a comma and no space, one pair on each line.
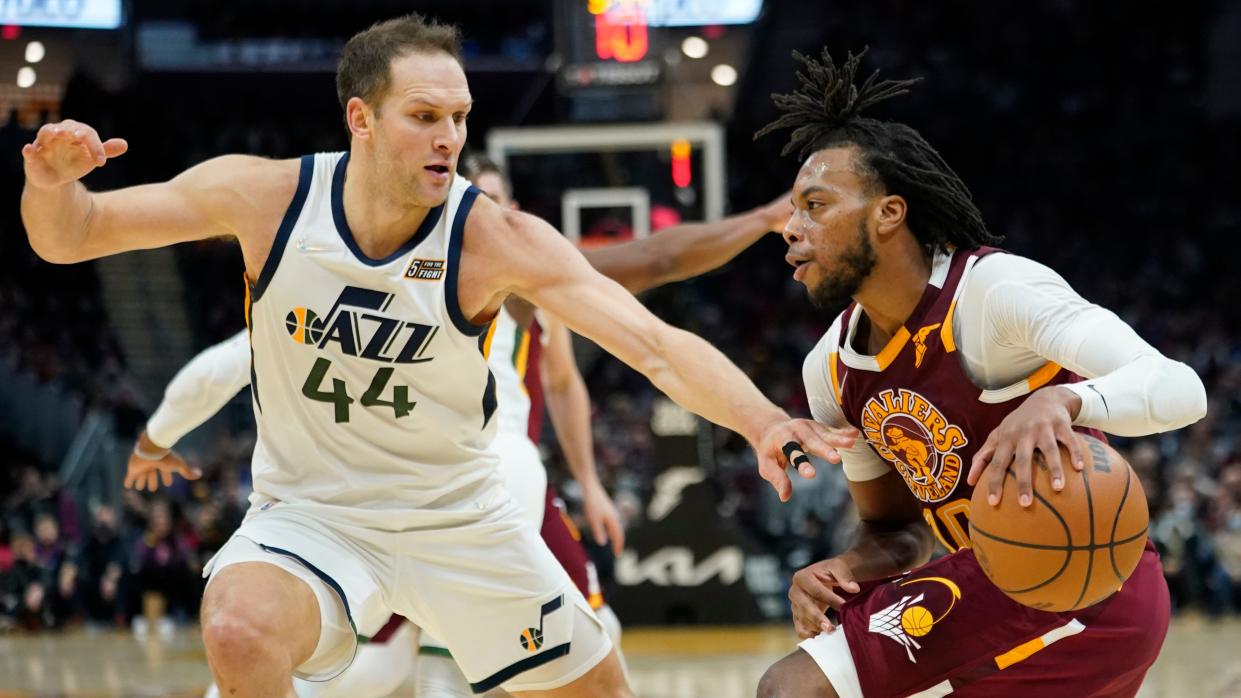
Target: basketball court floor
1200,659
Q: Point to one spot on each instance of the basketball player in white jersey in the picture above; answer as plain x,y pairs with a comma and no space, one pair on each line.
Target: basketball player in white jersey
372,274
209,380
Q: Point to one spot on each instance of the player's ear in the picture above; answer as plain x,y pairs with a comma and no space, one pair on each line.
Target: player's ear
359,117
889,214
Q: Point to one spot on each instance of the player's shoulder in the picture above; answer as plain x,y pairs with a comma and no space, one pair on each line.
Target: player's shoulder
245,177
1007,269
246,194
239,165
508,231
815,366
486,217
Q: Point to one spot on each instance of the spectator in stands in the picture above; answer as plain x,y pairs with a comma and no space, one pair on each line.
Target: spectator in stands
6,550
24,588
102,563
52,556
159,567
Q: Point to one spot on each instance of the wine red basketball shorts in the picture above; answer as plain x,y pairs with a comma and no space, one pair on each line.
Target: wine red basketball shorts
945,629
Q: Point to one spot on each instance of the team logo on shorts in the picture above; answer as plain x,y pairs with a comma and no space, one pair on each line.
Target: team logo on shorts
910,617
532,638
911,433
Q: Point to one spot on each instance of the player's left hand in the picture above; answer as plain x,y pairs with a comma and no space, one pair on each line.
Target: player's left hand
1042,423
810,437
813,592
604,519
150,463
143,474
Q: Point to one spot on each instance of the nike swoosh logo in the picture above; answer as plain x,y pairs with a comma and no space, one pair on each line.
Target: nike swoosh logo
1101,397
303,246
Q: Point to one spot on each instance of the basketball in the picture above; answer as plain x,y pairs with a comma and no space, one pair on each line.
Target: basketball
1068,549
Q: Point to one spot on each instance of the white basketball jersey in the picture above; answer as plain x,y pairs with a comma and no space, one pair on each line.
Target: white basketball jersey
371,391
509,355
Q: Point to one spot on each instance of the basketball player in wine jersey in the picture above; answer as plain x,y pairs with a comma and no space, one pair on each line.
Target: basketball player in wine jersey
957,362
372,276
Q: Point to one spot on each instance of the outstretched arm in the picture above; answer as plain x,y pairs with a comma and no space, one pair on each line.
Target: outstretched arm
66,223
568,403
197,392
687,250
529,258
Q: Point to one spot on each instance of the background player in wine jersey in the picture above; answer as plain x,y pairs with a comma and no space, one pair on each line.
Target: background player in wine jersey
531,355
372,275
956,362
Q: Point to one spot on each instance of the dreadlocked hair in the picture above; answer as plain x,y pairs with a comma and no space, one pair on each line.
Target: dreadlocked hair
826,111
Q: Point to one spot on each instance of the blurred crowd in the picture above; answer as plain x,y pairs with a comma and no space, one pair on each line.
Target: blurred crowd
1101,158
135,563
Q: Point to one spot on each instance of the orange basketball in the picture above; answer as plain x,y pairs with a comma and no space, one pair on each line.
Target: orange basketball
1068,549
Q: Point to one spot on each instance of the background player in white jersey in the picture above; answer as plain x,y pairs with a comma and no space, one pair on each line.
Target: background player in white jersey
391,515
199,390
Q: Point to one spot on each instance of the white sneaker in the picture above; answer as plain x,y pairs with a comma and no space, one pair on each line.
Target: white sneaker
165,627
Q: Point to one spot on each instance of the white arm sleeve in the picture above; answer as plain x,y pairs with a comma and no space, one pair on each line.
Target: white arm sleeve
1015,312
200,389
860,461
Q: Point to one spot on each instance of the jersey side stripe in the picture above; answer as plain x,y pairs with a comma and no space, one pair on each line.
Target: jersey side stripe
835,374
463,325
291,214
486,343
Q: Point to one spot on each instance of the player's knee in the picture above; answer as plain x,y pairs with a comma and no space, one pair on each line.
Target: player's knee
605,680
611,625
788,678
771,685
236,637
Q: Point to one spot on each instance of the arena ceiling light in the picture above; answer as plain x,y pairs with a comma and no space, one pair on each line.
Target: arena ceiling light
695,46
26,76
35,52
724,75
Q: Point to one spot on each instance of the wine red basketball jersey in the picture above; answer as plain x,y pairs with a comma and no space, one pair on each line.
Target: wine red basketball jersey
916,406
944,628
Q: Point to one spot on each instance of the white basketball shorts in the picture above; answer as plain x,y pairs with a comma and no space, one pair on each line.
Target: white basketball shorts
483,583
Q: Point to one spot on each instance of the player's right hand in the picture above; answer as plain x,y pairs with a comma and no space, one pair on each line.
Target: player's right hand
813,592
65,152
809,437
604,519
146,473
